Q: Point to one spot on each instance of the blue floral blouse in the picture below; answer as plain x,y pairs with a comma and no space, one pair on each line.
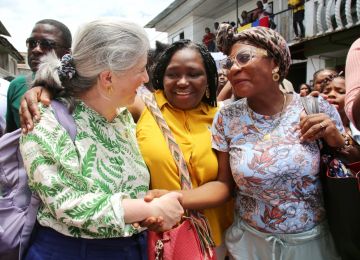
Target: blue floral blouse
278,189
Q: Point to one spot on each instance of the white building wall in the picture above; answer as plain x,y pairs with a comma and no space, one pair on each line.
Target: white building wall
200,23
314,63
185,25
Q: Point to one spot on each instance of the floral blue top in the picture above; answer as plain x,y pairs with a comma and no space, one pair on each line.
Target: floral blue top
277,177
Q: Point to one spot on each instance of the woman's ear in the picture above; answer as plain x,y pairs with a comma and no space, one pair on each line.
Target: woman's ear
105,79
275,70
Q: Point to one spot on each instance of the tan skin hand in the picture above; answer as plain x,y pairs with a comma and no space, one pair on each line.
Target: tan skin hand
29,107
316,126
152,223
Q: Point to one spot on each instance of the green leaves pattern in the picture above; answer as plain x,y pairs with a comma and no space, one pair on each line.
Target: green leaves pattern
82,184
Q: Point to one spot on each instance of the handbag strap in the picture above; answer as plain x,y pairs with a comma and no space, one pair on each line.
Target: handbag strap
150,102
310,104
199,221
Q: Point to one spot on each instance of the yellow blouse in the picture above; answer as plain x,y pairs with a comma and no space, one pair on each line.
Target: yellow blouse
191,129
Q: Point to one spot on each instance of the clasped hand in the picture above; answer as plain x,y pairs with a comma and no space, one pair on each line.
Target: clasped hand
317,126
155,223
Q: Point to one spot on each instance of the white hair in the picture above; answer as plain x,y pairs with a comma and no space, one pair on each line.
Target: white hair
99,45
108,44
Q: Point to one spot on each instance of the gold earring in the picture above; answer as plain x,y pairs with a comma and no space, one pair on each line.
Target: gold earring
275,76
207,92
110,90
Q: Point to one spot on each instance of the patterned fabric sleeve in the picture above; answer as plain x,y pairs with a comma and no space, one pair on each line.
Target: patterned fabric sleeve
56,174
218,133
330,110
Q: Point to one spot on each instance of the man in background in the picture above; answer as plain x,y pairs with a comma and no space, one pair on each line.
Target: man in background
47,35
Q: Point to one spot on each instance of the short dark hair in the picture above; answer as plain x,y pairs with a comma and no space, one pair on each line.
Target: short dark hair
316,73
209,63
62,27
9,78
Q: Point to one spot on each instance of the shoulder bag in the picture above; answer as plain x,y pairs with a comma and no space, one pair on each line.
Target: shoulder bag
340,175
192,238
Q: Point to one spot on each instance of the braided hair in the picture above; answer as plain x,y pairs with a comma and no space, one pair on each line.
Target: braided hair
209,63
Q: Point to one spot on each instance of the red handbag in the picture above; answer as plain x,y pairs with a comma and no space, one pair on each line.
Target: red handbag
192,238
178,243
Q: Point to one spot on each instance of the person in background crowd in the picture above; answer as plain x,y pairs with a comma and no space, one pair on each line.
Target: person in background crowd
216,27
352,99
346,233
185,78
267,8
334,89
222,73
258,12
267,154
304,90
4,85
92,188
269,12
209,40
245,18
321,76
47,35
298,9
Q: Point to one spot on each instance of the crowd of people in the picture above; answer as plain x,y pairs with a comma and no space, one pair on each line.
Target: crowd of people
253,159
263,9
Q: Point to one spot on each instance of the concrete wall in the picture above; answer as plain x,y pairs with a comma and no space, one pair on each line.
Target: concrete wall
185,25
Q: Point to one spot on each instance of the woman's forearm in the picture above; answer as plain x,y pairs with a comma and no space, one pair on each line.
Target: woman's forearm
209,195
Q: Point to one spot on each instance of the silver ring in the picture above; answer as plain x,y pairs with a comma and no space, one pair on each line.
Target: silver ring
321,125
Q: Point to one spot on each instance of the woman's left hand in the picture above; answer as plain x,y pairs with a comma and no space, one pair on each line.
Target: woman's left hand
151,223
316,126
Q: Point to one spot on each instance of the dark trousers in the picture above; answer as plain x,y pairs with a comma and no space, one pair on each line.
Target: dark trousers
298,18
49,244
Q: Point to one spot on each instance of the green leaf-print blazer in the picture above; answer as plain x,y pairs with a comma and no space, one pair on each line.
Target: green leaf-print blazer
82,185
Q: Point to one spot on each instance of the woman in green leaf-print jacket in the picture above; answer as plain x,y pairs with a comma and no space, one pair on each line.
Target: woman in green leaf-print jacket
92,188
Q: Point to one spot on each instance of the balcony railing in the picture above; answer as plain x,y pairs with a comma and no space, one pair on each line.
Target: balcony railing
321,17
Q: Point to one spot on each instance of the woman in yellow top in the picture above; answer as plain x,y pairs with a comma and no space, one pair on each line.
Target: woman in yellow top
185,79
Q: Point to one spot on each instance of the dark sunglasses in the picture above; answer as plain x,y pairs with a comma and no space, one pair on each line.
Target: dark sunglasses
44,44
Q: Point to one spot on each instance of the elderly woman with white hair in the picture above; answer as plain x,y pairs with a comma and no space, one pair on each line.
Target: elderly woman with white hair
91,189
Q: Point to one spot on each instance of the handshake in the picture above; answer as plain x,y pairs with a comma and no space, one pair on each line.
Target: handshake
159,211
167,211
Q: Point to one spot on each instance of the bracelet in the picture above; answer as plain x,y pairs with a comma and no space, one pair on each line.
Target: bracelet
348,141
